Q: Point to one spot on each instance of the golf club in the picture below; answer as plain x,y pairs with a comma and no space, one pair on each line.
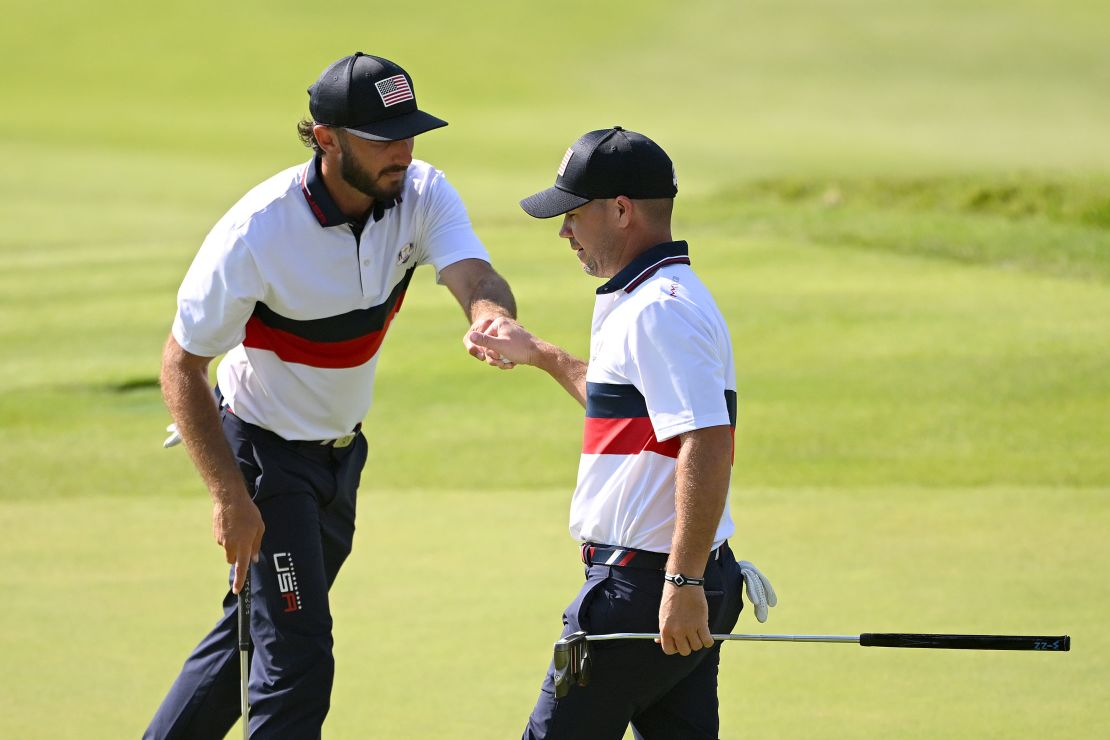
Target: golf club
244,652
572,655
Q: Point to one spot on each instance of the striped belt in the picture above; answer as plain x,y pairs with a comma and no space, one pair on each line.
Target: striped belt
593,554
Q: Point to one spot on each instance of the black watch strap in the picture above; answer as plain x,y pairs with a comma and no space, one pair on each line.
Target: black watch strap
680,580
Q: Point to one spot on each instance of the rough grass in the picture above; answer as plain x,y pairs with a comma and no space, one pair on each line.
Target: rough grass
1057,226
1014,197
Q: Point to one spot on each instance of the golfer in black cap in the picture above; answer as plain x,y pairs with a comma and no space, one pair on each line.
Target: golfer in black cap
296,286
650,510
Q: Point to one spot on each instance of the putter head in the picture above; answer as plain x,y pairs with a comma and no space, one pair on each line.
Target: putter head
572,663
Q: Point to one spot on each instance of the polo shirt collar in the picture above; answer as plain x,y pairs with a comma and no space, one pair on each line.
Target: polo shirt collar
320,201
636,272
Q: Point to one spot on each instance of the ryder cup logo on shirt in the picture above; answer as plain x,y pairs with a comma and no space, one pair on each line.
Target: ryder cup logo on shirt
394,90
404,254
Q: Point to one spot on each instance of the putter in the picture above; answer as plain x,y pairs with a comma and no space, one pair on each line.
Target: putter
245,652
572,653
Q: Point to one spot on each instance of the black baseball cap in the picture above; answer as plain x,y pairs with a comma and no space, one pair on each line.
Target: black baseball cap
604,164
371,96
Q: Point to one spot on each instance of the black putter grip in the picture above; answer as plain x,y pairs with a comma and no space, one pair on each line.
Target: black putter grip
245,614
1057,643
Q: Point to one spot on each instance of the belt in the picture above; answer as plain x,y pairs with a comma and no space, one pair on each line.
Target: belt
337,443
627,557
324,449
340,442
605,555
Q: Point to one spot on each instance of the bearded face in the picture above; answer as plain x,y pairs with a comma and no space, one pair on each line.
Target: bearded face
382,183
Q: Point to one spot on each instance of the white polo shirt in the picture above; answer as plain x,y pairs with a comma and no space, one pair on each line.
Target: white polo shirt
301,305
660,364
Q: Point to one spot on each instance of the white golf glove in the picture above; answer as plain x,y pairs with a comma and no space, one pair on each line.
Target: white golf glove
760,592
174,439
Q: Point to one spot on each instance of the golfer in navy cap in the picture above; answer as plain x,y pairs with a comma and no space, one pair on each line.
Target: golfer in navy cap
297,286
650,510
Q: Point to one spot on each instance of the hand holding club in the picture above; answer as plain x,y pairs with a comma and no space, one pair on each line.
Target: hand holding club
238,528
683,620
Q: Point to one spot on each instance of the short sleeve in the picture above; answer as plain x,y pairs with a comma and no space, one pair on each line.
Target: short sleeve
677,364
217,296
446,235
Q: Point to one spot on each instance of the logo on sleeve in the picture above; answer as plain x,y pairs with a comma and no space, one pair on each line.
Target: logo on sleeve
287,581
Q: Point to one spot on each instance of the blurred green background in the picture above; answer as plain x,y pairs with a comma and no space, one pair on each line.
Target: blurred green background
903,211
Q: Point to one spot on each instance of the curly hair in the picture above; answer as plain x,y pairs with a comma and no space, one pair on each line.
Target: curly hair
304,131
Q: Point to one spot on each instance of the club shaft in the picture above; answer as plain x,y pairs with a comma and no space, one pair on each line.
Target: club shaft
1039,643
244,705
758,638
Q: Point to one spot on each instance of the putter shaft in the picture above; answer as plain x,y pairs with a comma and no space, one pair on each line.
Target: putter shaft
760,638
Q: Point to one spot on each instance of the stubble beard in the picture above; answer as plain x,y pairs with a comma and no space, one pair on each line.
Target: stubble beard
588,264
362,181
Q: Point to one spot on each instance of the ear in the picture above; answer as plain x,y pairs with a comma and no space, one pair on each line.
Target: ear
327,137
624,209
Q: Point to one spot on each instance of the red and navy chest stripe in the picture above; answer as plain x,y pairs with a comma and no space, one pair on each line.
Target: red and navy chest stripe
347,340
617,422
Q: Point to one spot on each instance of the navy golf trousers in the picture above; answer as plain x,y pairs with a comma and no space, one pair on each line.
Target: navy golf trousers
306,493
664,697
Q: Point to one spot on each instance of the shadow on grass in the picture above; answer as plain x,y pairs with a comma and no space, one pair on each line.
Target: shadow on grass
131,385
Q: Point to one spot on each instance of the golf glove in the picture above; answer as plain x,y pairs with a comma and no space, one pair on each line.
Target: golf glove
174,439
759,588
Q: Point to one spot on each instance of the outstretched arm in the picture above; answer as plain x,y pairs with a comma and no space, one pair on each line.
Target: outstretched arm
484,296
511,341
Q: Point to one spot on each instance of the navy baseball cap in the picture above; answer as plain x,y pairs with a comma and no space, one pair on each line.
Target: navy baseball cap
604,164
370,96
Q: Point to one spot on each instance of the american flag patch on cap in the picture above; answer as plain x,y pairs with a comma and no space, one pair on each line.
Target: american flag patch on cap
566,161
394,90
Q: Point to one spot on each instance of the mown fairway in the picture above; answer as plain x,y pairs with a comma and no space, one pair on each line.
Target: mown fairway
903,212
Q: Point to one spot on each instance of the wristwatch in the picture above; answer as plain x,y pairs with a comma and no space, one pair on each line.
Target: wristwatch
680,580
